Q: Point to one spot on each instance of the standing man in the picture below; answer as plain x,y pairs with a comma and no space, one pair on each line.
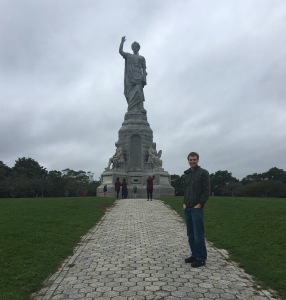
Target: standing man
149,186
124,190
197,190
134,191
105,190
117,187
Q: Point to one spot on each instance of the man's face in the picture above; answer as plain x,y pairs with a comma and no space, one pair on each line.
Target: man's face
193,161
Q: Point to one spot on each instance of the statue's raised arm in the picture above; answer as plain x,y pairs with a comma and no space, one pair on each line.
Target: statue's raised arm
123,39
134,77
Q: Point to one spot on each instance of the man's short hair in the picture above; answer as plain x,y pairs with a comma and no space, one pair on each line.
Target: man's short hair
194,154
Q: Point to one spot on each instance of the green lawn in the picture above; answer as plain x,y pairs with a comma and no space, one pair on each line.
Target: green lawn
36,235
253,230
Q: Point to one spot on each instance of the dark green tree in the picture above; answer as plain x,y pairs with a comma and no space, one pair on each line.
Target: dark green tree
271,174
15,186
231,189
55,175
4,170
251,178
36,176
39,186
265,188
78,181
92,187
29,168
275,174
220,180
177,183
4,174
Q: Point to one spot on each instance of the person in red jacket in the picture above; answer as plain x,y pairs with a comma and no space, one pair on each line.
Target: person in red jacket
117,187
149,186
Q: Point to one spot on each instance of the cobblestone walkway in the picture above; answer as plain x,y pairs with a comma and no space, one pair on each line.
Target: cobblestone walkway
137,252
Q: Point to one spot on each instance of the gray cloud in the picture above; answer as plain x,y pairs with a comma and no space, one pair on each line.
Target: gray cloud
216,81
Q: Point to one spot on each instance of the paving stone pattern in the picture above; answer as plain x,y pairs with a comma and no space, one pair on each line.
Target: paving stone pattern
137,252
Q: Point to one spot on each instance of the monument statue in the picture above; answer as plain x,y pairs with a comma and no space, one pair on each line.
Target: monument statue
135,138
134,77
154,157
117,158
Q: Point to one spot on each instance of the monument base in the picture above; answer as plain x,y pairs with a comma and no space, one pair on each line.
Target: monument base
135,158
161,184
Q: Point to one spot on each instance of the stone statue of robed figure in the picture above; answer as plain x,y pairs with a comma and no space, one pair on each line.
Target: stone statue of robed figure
134,77
136,155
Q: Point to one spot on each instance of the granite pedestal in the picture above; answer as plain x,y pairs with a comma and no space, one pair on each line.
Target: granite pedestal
135,139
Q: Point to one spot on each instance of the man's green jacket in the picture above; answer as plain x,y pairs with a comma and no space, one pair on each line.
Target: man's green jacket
196,186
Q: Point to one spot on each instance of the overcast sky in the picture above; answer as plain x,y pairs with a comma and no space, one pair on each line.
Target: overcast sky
216,81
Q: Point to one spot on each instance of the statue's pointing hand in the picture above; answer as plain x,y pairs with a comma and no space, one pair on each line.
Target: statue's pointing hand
123,39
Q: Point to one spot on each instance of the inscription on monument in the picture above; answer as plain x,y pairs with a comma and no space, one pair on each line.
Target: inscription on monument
136,179
107,179
135,151
164,180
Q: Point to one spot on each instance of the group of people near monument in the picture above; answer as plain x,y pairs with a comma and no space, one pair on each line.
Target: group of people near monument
124,188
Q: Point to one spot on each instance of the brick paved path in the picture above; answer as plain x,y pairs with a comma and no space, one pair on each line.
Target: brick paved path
137,252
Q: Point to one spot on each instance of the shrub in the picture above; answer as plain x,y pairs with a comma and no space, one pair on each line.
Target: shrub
266,188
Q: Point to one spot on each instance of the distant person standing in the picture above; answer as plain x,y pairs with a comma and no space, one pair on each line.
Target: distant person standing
117,187
197,190
134,191
124,189
84,194
105,191
66,193
149,186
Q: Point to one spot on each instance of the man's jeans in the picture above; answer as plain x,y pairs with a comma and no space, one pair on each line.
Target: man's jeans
117,192
195,231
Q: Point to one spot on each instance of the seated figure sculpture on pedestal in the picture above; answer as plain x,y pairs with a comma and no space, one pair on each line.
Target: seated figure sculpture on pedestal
154,157
117,158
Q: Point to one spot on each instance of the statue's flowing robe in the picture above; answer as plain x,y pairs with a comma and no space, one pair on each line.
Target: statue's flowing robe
134,81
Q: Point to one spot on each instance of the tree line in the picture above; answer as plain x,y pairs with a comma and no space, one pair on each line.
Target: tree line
269,184
28,179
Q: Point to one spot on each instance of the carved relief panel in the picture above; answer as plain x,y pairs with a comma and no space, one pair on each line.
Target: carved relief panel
135,151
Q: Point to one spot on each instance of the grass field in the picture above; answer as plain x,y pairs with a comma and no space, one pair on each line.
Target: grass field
253,230
36,235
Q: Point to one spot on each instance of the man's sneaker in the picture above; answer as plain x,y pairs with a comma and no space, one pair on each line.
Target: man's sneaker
190,260
198,263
